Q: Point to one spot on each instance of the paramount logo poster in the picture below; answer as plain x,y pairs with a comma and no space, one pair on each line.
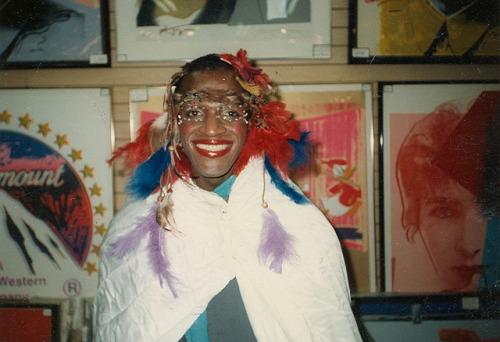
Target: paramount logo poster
55,190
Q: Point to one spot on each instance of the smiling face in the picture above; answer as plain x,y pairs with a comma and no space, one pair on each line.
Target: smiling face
212,117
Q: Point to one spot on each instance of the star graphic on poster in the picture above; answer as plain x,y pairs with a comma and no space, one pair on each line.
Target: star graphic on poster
87,171
91,267
61,140
5,117
96,249
75,154
95,190
101,229
25,121
100,209
44,129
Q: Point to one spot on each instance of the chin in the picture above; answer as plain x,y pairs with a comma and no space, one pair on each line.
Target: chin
461,283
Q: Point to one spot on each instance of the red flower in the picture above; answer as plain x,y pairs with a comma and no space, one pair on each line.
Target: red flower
249,74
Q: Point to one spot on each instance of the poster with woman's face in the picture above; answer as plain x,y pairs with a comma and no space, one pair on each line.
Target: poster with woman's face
434,150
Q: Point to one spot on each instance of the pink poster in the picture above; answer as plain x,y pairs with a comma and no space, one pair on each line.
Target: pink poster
336,188
435,228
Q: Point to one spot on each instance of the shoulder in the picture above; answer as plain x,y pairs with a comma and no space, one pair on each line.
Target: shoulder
127,217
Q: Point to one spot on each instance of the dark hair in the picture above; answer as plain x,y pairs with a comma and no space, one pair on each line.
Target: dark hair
204,63
489,192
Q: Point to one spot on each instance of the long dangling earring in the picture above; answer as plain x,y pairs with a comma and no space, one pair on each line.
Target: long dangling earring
264,203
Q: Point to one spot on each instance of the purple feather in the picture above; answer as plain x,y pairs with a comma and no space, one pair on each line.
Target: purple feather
157,255
125,244
275,243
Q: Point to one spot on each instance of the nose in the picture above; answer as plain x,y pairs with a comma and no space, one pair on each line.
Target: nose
473,231
212,126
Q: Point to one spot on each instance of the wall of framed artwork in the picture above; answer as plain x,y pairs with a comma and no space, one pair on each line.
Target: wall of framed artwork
56,190
434,145
122,77
295,29
54,34
433,31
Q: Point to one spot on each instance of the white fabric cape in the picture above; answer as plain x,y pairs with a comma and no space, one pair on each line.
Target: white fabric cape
218,240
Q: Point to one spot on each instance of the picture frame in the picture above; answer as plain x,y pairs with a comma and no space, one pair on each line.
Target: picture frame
423,32
29,321
432,143
349,206
429,317
56,190
54,34
339,119
301,29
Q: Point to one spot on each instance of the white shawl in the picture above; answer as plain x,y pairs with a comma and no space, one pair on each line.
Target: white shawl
308,301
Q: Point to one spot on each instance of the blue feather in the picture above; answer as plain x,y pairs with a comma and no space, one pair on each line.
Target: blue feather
287,189
146,177
302,150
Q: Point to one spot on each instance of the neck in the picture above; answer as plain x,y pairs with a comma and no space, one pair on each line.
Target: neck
210,184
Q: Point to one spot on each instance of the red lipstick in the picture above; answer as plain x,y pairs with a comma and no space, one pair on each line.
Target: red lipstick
212,148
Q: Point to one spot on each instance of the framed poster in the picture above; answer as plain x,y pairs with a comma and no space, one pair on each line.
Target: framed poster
29,322
429,317
424,31
55,189
435,139
178,30
54,33
145,105
339,118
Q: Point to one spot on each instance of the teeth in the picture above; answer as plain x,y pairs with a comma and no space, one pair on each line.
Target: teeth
213,148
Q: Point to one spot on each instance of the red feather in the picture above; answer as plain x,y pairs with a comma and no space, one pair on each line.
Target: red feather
137,151
269,135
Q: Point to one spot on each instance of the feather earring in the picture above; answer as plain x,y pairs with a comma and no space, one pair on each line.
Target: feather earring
163,214
275,243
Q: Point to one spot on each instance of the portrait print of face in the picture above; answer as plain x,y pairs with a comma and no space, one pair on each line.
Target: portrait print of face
437,208
435,222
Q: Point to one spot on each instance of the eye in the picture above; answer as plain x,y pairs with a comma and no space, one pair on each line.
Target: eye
192,113
232,113
444,212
